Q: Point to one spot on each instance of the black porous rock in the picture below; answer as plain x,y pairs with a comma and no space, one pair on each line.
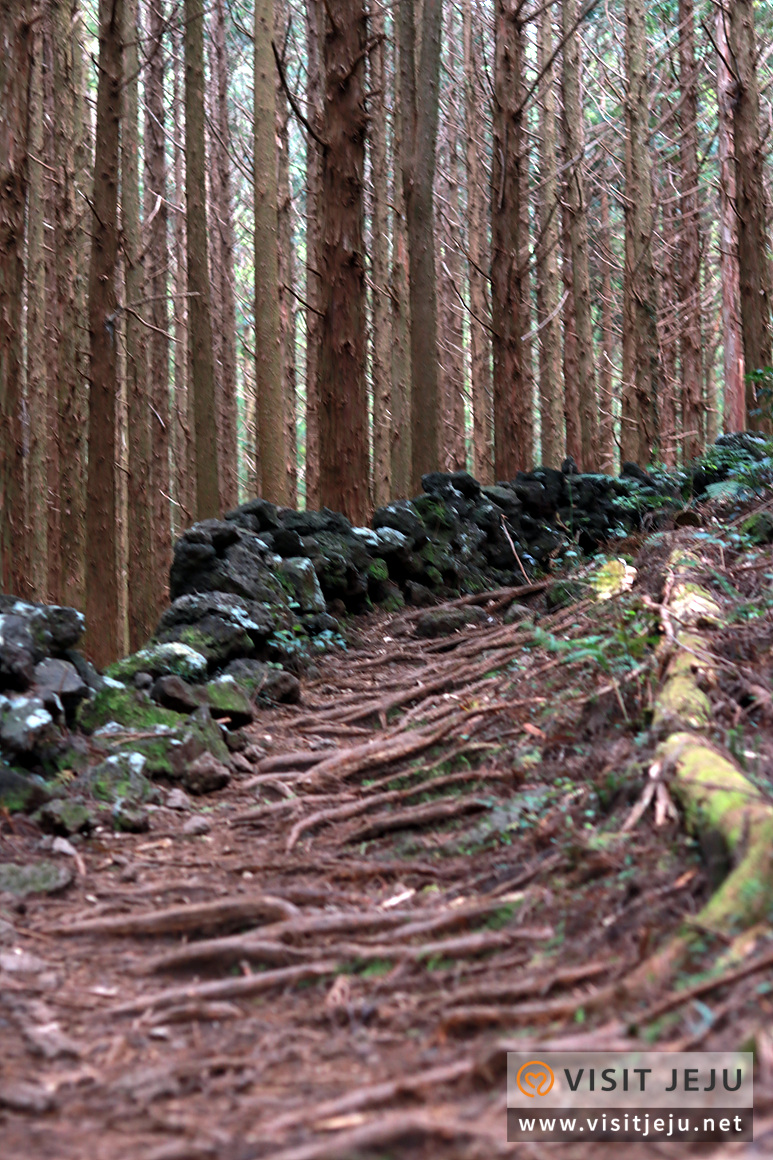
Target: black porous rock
403,517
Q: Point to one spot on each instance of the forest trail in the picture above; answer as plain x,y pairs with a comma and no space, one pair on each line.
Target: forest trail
423,867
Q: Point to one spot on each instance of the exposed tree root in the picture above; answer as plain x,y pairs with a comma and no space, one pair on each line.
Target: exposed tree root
200,917
217,989
367,803
417,817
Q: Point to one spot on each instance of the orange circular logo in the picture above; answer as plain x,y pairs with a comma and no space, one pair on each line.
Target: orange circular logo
535,1078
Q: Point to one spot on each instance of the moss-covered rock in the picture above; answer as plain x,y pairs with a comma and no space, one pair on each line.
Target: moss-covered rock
42,877
227,699
266,682
28,730
172,658
443,622
65,816
118,779
126,707
304,586
21,791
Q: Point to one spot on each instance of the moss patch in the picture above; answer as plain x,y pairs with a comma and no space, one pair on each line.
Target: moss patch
126,707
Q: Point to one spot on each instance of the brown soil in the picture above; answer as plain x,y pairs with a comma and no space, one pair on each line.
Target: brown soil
338,968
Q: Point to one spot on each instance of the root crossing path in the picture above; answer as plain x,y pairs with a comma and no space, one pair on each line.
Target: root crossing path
405,880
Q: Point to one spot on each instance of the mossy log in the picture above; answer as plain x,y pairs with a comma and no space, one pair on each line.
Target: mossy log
716,797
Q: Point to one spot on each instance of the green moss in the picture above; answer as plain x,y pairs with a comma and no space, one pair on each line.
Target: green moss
435,555
378,570
433,577
175,657
39,878
21,791
156,751
126,707
436,516
681,702
394,602
227,697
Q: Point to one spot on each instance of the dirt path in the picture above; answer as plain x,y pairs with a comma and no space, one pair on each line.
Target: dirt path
408,882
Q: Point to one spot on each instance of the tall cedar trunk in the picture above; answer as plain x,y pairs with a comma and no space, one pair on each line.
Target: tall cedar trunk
343,414
286,260
606,394
141,596
709,360
451,344
102,582
382,330
691,344
730,276
578,236
400,313
479,261
551,392
202,371
668,327
571,369
269,381
639,433
750,203
38,341
419,82
223,278
513,434
183,450
69,397
315,31
156,271
15,61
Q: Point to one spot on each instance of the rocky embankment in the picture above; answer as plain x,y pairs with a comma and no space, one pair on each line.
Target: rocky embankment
254,597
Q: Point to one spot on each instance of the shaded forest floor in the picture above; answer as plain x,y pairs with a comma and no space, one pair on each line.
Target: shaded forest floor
424,867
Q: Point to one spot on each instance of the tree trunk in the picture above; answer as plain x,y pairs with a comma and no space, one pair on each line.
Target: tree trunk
183,446
269,381
382,330
223,278
315,31
15,61
419,81
400,313
286,267
453,455
69,394
202,371
578,236
102,582
156,269
606,392
343,415
750,206
551,392
479,259
141,594
571,367
690,329
639,434
732,337
513,424
668,327
38,341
